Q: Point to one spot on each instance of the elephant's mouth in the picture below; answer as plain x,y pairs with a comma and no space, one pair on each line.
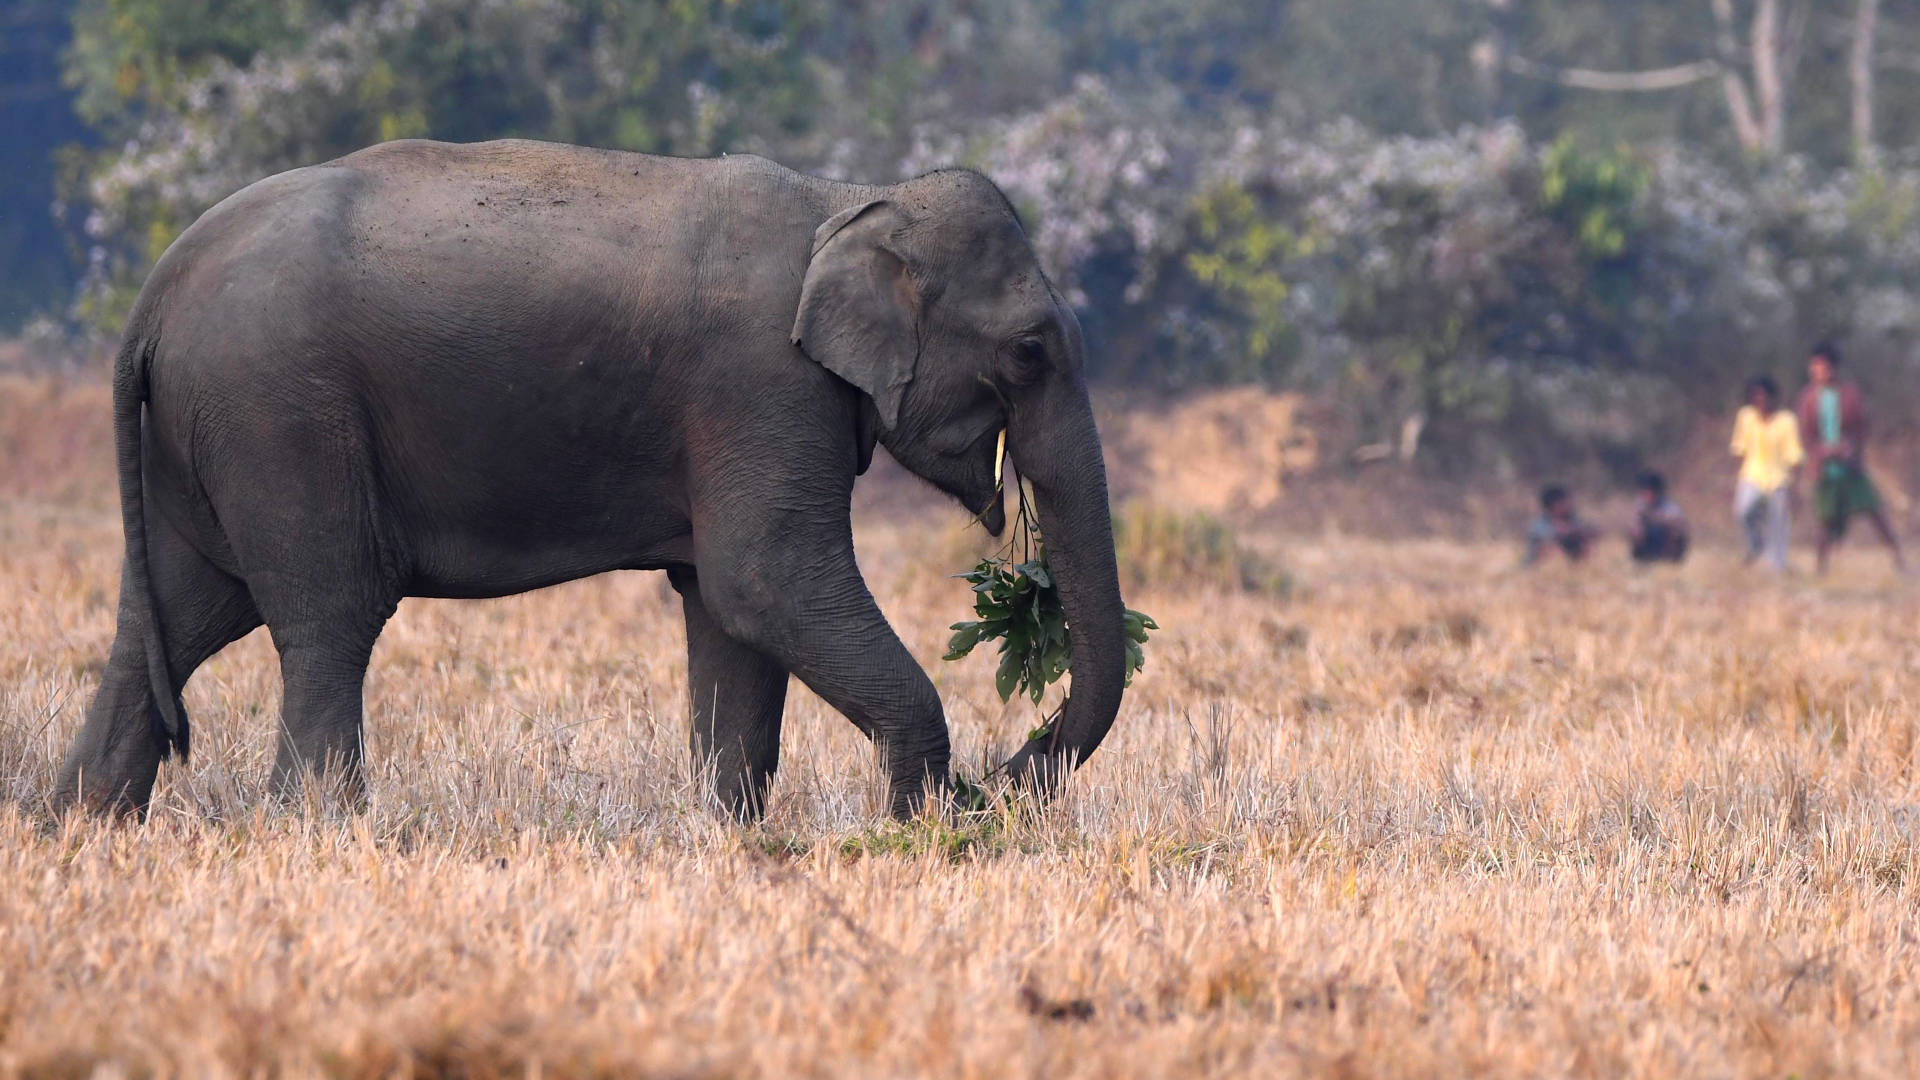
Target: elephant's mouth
989,505
986,506
994,517
966,472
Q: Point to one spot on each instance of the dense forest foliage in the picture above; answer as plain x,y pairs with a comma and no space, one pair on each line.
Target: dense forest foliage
1512,229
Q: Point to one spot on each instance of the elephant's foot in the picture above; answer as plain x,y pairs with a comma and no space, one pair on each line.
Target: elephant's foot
101,794
113,762
339,780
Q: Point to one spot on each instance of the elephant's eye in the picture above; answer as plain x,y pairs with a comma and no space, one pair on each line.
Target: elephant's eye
1029,357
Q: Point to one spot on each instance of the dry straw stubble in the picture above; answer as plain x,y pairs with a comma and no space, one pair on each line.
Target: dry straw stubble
1422,816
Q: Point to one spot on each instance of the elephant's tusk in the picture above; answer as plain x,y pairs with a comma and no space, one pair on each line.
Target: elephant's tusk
999,459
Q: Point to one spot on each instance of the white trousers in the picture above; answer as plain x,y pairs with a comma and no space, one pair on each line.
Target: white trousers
1763,521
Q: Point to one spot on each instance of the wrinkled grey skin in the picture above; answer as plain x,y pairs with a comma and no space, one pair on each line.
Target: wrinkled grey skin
470,371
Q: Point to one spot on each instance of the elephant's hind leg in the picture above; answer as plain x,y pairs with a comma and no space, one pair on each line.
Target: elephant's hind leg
114,760
323,664
313,556
325,601
321,717
737,696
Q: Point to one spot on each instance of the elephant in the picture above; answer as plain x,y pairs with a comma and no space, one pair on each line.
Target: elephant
472,370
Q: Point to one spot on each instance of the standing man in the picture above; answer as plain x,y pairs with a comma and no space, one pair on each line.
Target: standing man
1833,425
1766,439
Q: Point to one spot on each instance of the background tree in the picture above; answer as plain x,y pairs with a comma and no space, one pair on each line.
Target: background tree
1860,69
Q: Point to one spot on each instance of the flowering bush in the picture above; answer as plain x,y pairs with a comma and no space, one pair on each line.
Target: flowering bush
1495,293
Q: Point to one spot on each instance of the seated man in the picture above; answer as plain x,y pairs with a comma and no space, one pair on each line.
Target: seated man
1659,528
1558,528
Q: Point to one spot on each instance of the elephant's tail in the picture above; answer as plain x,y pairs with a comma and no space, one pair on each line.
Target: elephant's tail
165,712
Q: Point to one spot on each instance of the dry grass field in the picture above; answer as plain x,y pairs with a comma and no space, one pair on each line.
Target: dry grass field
1421,815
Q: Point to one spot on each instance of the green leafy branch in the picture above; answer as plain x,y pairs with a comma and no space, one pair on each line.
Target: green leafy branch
1016,602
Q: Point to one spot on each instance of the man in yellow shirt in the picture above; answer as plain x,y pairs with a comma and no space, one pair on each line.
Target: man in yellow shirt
1767,441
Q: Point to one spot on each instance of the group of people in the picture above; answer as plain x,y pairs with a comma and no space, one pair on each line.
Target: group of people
1658,533
1826,431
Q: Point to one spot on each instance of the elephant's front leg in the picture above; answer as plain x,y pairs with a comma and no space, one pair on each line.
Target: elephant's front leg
737,696
807,607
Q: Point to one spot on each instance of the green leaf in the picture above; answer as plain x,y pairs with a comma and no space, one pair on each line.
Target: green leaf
966,636
969,796
1008,677
1055,660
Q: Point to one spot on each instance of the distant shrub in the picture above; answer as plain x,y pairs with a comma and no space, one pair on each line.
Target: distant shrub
1163,547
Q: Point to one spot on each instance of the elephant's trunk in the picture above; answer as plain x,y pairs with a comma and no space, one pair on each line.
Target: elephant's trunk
1056,447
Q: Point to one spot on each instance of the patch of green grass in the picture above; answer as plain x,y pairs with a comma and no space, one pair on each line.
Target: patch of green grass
983,836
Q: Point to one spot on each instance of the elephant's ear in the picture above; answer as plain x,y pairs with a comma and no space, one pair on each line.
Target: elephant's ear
859,309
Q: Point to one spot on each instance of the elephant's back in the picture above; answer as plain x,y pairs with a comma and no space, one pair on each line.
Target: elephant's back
485,281
545,201
244,271
517,207
458,231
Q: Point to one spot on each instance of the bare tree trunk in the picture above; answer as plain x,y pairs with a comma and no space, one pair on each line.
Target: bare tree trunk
1866,28
1759,112
1758,107
1746,126
1767,83
1492,56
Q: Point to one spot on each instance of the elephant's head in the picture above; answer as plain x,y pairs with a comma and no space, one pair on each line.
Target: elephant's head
929,300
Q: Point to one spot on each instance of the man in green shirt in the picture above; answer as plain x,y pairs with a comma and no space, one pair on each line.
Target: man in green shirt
1833,426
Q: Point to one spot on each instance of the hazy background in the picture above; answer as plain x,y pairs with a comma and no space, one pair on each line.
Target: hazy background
1485,240
1357,274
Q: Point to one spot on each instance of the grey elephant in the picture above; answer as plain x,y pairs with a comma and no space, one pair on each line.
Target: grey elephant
473,370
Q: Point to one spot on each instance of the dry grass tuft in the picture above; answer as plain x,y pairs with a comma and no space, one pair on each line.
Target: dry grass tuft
1425,816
